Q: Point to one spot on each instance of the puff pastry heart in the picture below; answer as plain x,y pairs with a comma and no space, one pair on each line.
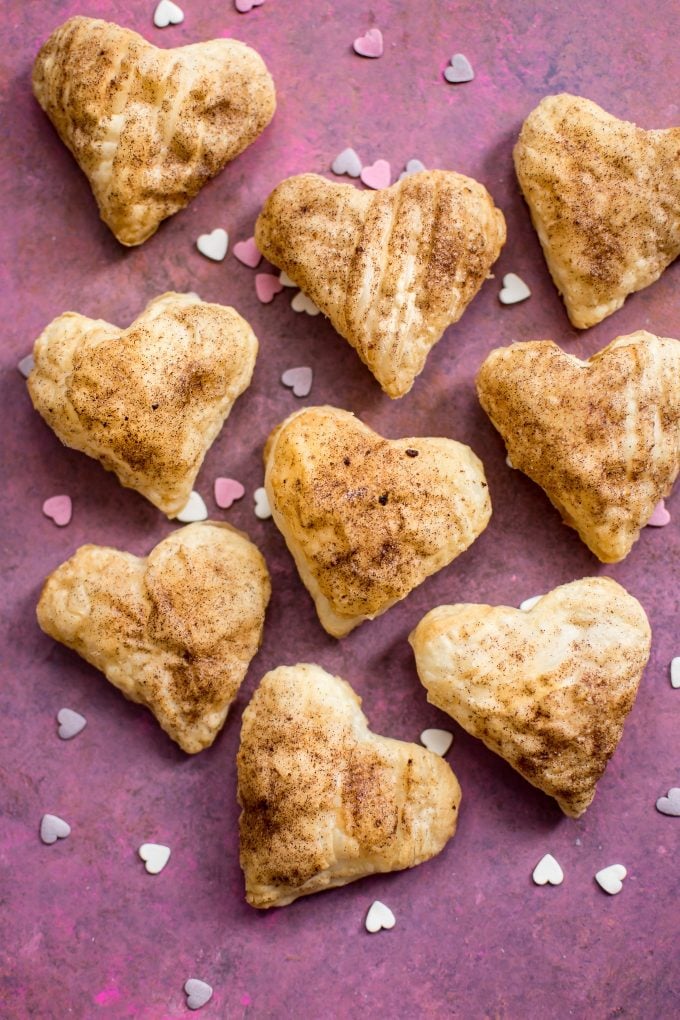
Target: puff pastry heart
325,801
147,401
367,519
391,269
175,631
548,689
149,126
601,437
604,197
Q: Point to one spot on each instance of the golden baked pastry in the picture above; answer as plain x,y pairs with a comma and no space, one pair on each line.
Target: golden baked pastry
367,519
149,126
601,437
324,800
175,631
604,197
147,401
391,269
548,689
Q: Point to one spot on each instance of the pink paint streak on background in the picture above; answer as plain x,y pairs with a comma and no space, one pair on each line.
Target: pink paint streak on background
84,931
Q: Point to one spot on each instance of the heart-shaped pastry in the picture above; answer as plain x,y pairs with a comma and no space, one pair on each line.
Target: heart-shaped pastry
548,689
367,518
175,631
391,268
604,197
147,401
149,126
601,437
326,801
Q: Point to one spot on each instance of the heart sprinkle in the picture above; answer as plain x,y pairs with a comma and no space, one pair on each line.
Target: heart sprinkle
26,365
167,13
227,491
670,805
347,163
155,857
262,507
414,166
379,916
529,603
675,672
377,175
248,253
299,380
514,290
660,516
195,510
285,280
548,871
611,879
302,303
369,45
70,723
59,509
266,286
214,245
509,462
438,741
197,992
459,69
53,828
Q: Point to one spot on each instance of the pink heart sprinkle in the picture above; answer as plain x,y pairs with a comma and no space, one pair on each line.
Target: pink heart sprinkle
660,516
247,252
226,491
378,175
243,6
266,286
59,509
369,45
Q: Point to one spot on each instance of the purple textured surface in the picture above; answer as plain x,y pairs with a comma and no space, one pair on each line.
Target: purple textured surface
84,931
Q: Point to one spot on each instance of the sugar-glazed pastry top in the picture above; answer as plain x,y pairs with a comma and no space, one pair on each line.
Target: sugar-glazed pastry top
146,401
175,631
604,197
367,518
149,126
392,268
548,689
325,801
601,437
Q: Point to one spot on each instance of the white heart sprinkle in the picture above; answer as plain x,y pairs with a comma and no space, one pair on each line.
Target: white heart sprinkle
530,603
167,13
514,290
460,69
26,365
53,828
285,280
301,303
70,723
414,166
509,462
670,805
675,672
611,879
214,245
548,871
195,510
197,992
155,856
299,380
347,163
262,507
438,741
379,916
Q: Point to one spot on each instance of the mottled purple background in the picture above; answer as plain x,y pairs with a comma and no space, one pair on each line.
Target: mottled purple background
84,931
